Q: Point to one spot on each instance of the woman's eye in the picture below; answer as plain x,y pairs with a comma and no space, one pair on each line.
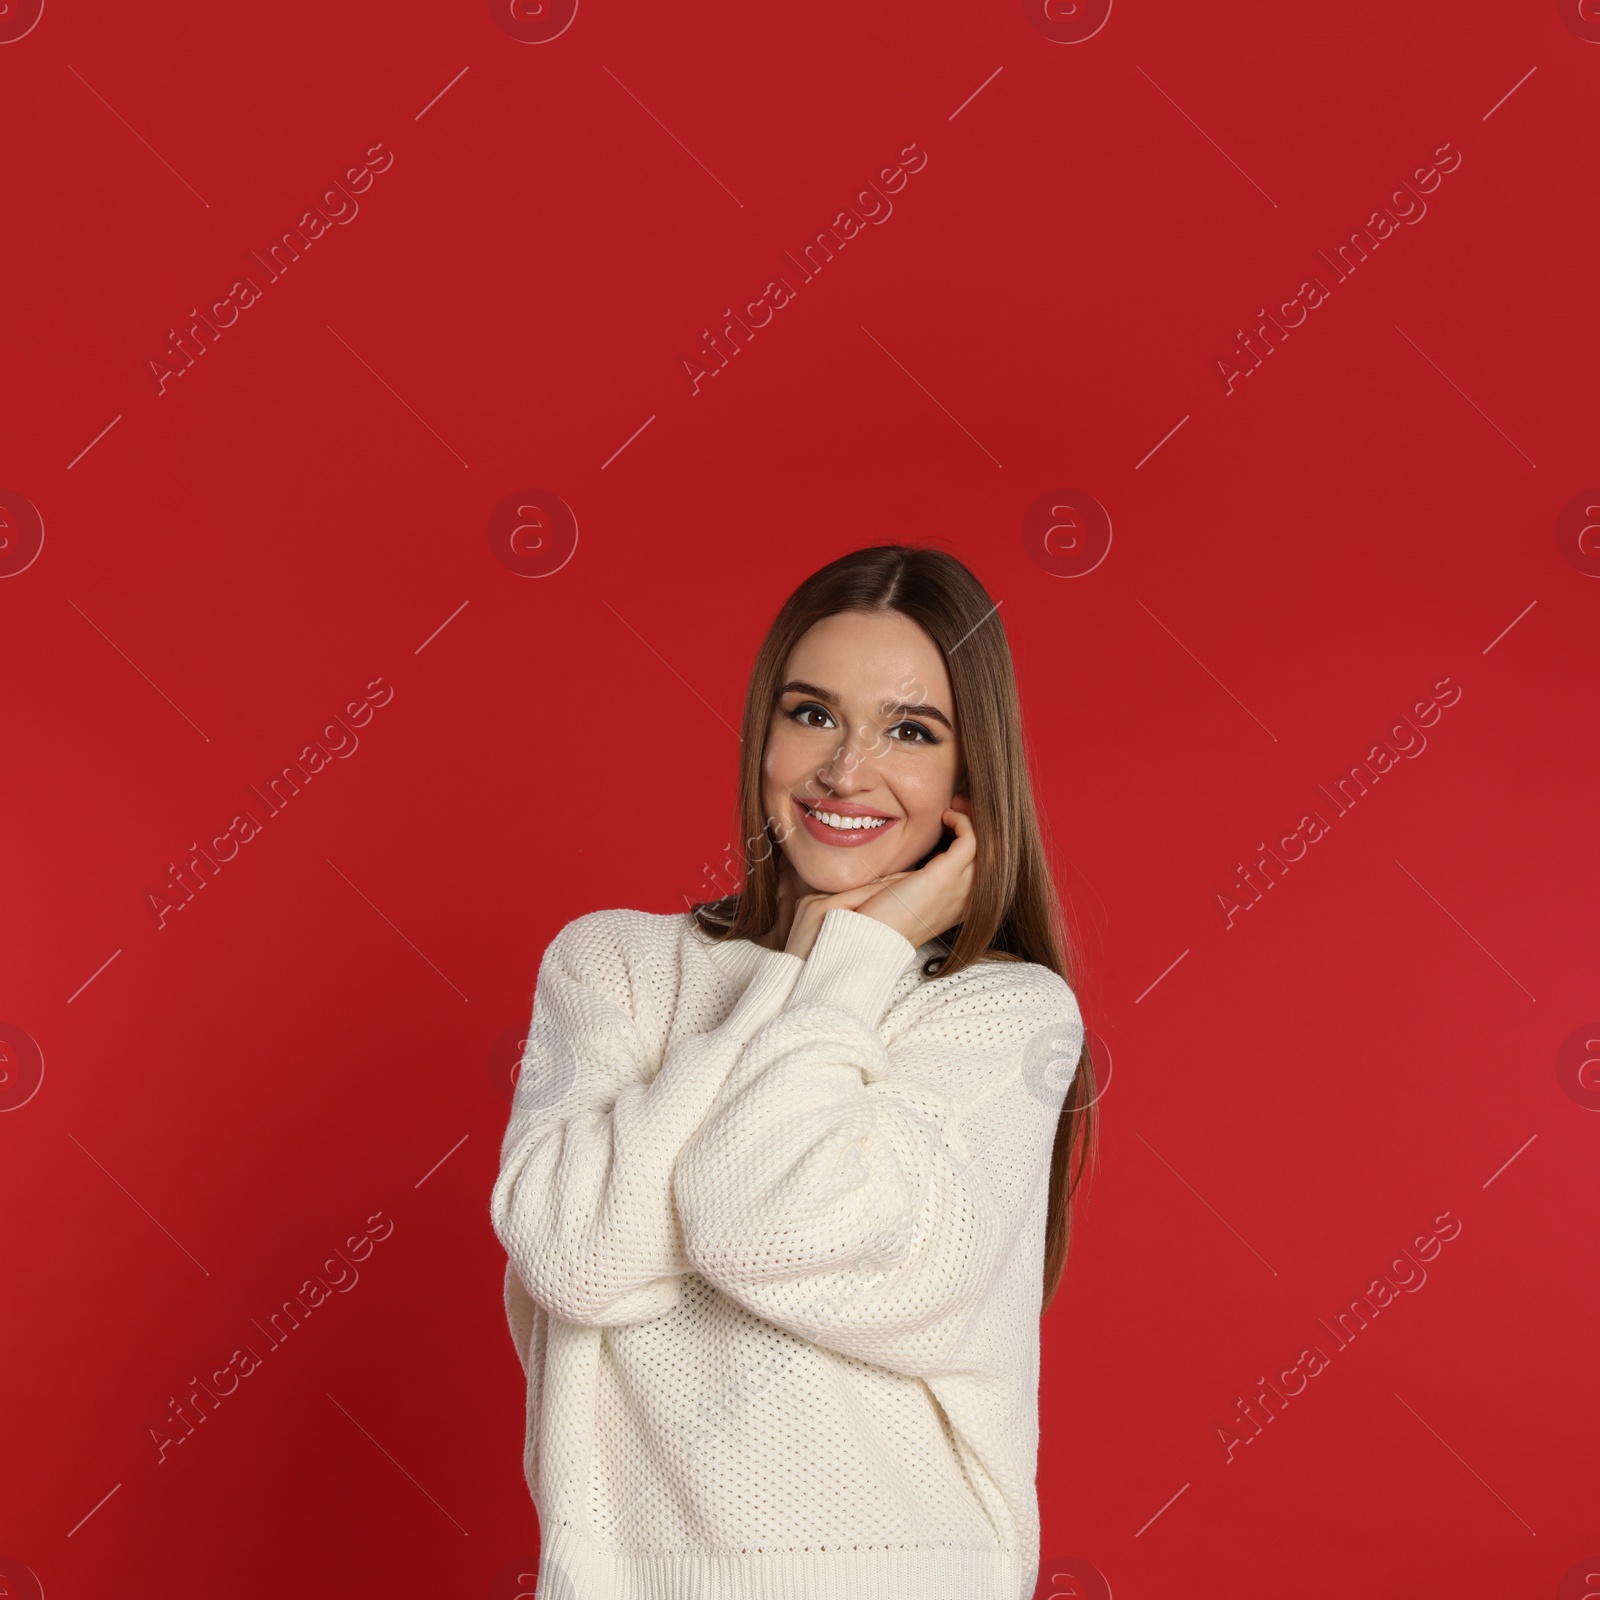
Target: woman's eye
802,713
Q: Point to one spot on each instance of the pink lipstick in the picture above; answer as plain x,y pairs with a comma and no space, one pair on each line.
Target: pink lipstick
844,838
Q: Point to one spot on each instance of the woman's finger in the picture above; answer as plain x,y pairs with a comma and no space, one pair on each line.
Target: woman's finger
966,837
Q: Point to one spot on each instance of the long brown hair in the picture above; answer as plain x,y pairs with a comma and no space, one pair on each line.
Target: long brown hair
1014,913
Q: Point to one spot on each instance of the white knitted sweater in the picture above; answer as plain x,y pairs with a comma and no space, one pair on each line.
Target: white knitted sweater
775,1231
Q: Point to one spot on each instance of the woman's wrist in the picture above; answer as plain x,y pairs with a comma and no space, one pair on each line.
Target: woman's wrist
894,916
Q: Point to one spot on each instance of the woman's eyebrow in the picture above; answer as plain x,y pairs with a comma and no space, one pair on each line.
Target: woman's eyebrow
800,686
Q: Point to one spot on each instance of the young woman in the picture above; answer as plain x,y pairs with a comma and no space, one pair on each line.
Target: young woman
786,1184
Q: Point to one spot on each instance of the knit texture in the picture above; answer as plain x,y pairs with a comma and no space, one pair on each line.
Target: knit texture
775,1240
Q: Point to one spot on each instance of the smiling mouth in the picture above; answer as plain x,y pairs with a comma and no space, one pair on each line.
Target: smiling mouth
843,827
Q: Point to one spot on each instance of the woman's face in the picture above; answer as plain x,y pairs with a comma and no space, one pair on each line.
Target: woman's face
865,727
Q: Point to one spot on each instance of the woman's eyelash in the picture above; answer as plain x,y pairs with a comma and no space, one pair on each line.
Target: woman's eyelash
800,710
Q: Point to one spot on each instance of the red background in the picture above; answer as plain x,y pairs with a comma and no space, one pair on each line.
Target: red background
308,1042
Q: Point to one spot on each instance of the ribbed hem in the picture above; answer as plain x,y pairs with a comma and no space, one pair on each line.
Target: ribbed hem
572,1568
775,974
856,963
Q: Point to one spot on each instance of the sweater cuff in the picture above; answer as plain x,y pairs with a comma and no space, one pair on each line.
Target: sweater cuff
855,963
774,976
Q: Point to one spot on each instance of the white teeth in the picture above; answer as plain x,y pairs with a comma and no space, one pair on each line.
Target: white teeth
834,820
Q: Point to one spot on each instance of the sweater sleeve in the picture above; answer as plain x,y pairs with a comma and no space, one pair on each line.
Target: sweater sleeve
583,1203
865,1192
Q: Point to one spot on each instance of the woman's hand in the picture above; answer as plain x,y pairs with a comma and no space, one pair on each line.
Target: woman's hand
810,909
934,898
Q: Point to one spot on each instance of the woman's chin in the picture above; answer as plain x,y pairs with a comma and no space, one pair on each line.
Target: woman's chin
854,874
831,875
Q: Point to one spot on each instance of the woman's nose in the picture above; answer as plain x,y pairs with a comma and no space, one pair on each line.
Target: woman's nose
845,771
